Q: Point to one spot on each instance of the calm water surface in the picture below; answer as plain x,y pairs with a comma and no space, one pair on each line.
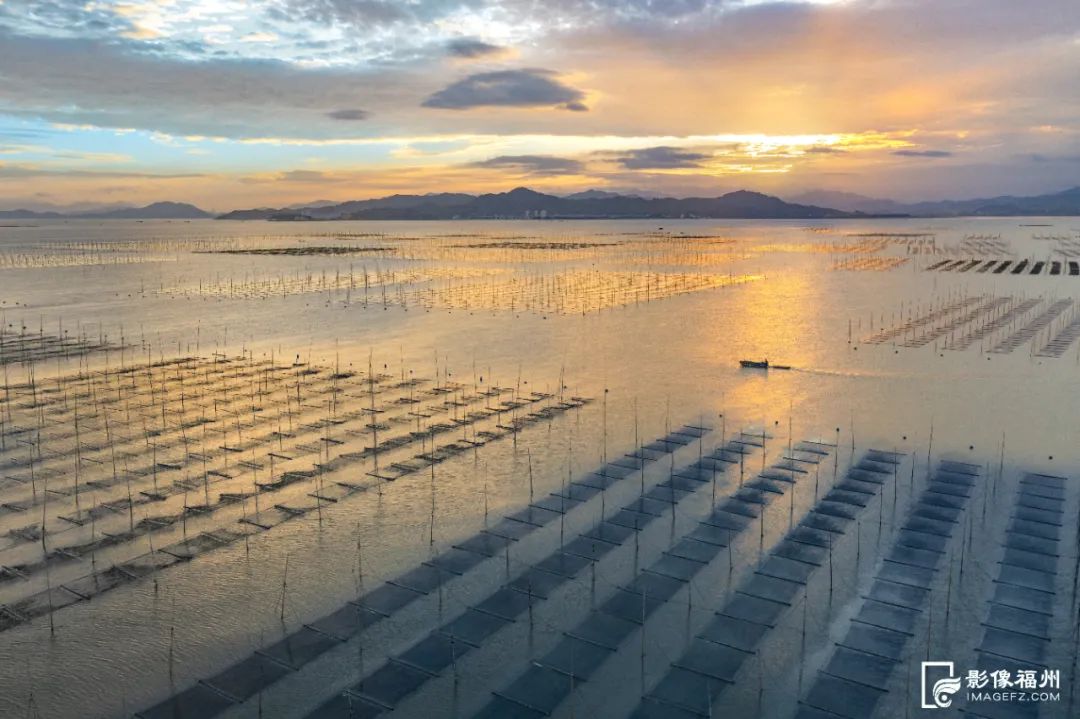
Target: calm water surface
555,311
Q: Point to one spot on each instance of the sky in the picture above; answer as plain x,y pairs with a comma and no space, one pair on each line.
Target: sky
230,104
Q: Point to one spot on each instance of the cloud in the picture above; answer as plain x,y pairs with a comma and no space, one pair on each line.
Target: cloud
259,37
803,69
533,164
1041,158
289,176
471,49
351,114
67,16
88,82
366,13
305,176
657,158
530,87
922,153
519,14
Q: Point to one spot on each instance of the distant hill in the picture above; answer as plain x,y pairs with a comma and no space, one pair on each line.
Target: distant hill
1062,204
155,211
523,202
591,195
258,213
343,210
29,215
389,205
848,202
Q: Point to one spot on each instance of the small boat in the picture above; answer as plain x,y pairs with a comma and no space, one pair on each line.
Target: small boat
763,364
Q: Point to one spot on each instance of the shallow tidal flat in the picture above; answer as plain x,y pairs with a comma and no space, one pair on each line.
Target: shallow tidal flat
515,469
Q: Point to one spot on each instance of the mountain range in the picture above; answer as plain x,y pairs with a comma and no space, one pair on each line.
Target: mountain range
523,202
155,211
592,204
1065,203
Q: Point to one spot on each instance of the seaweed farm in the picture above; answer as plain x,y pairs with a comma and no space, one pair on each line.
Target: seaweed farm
354,284
515,468
999,325
23,346
97,477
